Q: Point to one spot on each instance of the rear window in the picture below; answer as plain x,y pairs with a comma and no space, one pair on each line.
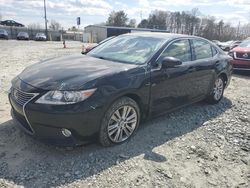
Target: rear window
202,49
214,51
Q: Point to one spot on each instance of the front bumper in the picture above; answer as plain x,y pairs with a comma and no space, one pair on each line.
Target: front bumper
241,64
3,36
40,39
45,122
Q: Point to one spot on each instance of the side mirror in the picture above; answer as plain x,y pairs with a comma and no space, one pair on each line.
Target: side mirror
170,62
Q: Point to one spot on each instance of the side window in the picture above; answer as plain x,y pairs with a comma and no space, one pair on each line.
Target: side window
214,51
179,49
202,49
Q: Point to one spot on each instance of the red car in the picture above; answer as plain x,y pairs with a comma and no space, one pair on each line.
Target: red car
241,56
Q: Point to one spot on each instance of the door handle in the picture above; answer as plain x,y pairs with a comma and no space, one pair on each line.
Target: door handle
191,69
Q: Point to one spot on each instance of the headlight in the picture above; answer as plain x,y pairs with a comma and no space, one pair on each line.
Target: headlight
65,97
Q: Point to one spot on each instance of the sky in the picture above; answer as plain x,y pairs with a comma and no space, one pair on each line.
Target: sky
97,11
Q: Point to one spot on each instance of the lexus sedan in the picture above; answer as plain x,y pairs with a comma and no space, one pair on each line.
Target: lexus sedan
241,56
22,36
103,95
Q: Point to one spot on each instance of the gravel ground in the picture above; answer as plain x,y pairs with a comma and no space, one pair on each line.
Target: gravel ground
198,146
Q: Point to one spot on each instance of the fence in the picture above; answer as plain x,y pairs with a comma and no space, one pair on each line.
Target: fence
52,35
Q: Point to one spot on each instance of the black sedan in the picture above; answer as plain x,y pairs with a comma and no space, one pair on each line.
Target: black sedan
3,34
105,94
11,23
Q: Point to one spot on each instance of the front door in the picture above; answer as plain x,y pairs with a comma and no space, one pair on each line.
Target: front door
173,87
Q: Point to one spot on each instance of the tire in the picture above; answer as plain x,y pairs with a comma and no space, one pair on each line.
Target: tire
125,126
218,91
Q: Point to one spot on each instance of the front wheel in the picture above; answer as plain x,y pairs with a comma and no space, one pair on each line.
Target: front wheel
120,122
218,91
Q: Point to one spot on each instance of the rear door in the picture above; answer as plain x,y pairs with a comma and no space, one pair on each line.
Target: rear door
204,62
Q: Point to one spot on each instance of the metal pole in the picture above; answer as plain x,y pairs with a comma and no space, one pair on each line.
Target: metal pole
45,17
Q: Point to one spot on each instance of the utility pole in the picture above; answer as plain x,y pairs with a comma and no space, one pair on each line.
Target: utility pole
45,17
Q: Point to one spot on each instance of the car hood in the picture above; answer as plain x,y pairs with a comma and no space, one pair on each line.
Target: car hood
70,72
240,49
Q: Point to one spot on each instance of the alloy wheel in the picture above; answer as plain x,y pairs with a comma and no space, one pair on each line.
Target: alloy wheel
218,89
122,124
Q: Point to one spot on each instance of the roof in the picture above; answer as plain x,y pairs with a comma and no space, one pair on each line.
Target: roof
128,28
159,35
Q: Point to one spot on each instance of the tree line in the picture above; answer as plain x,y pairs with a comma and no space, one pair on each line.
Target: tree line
185,22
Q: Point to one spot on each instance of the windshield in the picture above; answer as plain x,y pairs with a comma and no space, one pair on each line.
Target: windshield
245,44
2,31
128,49
40,34
23,33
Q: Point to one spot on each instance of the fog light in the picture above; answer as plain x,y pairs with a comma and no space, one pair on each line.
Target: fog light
66,132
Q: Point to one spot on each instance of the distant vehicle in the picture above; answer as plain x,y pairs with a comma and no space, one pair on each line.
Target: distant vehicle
235,44
3,34
22,36
241,56
88,47
104,94
226,46
40,37
216,42
11,23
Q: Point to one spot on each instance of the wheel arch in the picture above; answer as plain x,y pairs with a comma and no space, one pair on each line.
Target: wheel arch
138,100
224,77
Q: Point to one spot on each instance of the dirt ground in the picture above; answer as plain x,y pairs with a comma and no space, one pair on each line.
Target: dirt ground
197,146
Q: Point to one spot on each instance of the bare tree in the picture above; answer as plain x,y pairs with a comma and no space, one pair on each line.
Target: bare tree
54,25
185,22
157,19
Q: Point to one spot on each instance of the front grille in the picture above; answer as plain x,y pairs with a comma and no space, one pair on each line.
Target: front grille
21,97
242,55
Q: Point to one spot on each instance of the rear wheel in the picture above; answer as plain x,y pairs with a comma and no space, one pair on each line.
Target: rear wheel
120,122
218,91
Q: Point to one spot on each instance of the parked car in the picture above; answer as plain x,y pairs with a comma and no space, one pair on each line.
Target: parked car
11,23
216,42
40,37
226,46
3,34
241,56
22,36
87,47
234,44
105,94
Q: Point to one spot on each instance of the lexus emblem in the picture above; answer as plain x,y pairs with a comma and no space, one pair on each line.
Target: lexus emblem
245,55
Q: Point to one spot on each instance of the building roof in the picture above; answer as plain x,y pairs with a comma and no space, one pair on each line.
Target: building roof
128,28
